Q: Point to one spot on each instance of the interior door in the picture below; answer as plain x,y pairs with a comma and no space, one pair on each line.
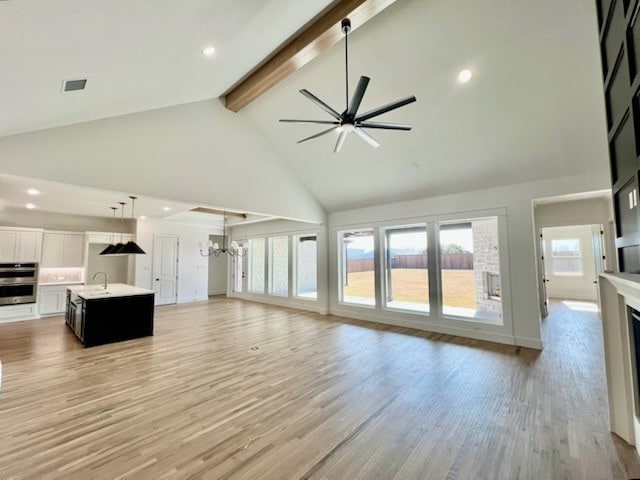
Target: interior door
165,269
597,237
240,270
544,300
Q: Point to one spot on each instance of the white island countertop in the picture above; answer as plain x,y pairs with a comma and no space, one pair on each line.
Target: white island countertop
89,292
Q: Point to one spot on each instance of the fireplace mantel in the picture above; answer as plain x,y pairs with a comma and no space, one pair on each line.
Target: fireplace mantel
618,291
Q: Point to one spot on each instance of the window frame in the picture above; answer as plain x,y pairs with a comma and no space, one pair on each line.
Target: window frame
295,239
502,256
270,265
250,272
342,265
385,277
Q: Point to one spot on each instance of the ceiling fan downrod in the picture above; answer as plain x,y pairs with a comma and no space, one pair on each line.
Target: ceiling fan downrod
346,28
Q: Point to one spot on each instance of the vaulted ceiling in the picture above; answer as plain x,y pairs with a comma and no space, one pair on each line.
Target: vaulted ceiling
533,109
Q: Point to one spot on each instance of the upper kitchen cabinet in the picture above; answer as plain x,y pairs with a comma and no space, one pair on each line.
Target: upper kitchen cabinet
107,238
20,245
63,249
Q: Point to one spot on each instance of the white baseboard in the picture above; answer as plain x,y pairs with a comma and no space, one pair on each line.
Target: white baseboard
426,326
309,306
192,299
18,319
534,343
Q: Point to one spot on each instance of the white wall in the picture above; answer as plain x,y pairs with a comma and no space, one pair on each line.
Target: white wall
115,266
578,287
278,228
217,270
192,267
589,211
198,152
517,202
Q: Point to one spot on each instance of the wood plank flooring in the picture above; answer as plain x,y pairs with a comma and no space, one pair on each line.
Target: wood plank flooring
228,389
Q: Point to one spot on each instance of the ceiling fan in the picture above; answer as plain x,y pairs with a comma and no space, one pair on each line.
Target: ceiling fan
349,121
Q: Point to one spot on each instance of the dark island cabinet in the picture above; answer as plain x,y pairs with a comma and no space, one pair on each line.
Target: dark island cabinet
619,22
96,321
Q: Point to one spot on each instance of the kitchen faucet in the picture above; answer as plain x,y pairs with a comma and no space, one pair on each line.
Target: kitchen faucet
105,278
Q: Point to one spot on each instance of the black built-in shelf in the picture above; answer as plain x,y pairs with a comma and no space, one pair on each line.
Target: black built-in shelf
619,22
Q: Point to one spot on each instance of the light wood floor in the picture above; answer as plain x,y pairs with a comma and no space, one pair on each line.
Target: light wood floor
320,397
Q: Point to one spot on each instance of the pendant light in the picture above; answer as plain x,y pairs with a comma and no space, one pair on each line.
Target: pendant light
116,249
131,246
111,246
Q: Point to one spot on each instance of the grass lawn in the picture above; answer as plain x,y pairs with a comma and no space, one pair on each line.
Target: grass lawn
411,285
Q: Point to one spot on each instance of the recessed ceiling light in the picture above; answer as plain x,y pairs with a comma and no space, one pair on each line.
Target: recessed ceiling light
30,206
465,75
208,51
166,209
142,217
33,191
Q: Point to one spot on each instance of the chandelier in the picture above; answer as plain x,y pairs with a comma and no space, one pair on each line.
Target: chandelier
233,250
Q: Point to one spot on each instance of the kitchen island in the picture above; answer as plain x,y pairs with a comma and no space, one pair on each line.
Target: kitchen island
120,312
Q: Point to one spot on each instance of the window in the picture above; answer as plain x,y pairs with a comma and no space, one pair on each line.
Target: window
279,266
357,267
306,266
470,269
406,273
566,256
256,265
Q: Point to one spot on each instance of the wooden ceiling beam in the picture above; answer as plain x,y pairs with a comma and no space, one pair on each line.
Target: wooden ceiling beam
213,211
316,37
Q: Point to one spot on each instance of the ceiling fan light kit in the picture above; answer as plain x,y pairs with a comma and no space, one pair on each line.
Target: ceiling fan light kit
349,121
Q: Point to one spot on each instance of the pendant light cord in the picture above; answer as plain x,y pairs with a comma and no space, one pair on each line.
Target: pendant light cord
122,223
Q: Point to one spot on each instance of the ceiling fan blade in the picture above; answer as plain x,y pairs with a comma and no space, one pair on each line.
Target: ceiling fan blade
340,142
357,96
386,108
327,122
367,138
324,132
384,125
321,104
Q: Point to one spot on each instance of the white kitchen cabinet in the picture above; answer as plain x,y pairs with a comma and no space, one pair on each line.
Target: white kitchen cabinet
52,299
73,252
63,249
20,245
107,238
8,246
13,313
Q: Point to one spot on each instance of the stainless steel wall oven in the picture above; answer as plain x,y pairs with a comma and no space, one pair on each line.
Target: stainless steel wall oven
18,283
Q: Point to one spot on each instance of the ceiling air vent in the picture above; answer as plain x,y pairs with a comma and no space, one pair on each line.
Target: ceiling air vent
74,85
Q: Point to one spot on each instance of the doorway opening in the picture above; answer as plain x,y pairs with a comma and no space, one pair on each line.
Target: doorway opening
217,282
570,260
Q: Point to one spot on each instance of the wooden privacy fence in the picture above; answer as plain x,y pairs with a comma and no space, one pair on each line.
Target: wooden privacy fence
448,261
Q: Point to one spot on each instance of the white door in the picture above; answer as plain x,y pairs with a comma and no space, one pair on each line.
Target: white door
544,299
597,238
240,270
165,269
